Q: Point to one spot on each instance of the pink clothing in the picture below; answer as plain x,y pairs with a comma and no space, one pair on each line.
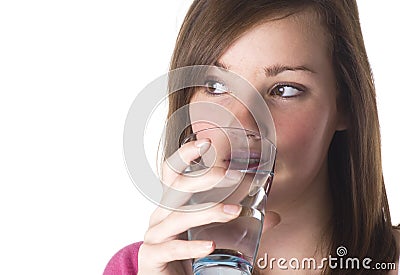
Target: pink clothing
125,262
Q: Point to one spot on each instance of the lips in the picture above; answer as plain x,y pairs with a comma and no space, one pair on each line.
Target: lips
243,164
243,160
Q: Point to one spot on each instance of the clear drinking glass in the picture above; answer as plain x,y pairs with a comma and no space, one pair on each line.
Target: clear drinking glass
236,241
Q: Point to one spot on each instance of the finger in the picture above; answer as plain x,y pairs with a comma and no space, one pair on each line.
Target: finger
178,222
158,215
173,167
185,186
178,161
179,193
173,250
161,213
207,179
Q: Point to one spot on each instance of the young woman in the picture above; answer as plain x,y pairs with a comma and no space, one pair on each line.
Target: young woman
308,60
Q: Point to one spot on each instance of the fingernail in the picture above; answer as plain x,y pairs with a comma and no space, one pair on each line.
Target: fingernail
232,209
203,145
202,142
233,174
208,245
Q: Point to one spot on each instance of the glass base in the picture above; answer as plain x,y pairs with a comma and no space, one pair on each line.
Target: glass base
221,264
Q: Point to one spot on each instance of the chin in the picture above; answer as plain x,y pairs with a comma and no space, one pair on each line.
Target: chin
283,191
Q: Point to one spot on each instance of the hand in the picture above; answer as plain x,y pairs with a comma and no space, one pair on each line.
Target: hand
164,251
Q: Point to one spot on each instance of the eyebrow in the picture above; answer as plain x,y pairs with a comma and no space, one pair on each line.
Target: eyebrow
276,69
273,70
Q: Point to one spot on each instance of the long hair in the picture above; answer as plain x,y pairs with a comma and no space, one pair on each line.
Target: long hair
361,218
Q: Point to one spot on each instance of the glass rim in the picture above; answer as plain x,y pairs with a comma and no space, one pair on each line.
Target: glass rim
229,128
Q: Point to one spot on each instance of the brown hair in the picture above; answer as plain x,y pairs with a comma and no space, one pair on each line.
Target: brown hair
361,219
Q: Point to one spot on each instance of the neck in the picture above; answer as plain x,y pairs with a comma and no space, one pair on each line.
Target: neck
304,228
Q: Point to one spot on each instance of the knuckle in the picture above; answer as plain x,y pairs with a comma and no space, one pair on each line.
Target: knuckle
153,218
148,238
179,216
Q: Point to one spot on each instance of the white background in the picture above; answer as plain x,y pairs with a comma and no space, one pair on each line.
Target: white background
69,71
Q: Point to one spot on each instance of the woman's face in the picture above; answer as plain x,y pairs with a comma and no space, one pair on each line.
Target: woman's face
289,63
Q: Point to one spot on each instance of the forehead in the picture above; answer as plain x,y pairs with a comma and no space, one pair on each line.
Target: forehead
297,39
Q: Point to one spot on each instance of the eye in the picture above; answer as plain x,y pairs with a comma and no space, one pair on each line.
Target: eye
285,90
215,87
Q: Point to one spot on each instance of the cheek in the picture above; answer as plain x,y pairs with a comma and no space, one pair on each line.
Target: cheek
303,137
292,140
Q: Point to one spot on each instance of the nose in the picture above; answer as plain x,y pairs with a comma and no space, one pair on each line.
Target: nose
241,116
246,114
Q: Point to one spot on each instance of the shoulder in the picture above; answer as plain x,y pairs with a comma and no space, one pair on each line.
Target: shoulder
125,261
